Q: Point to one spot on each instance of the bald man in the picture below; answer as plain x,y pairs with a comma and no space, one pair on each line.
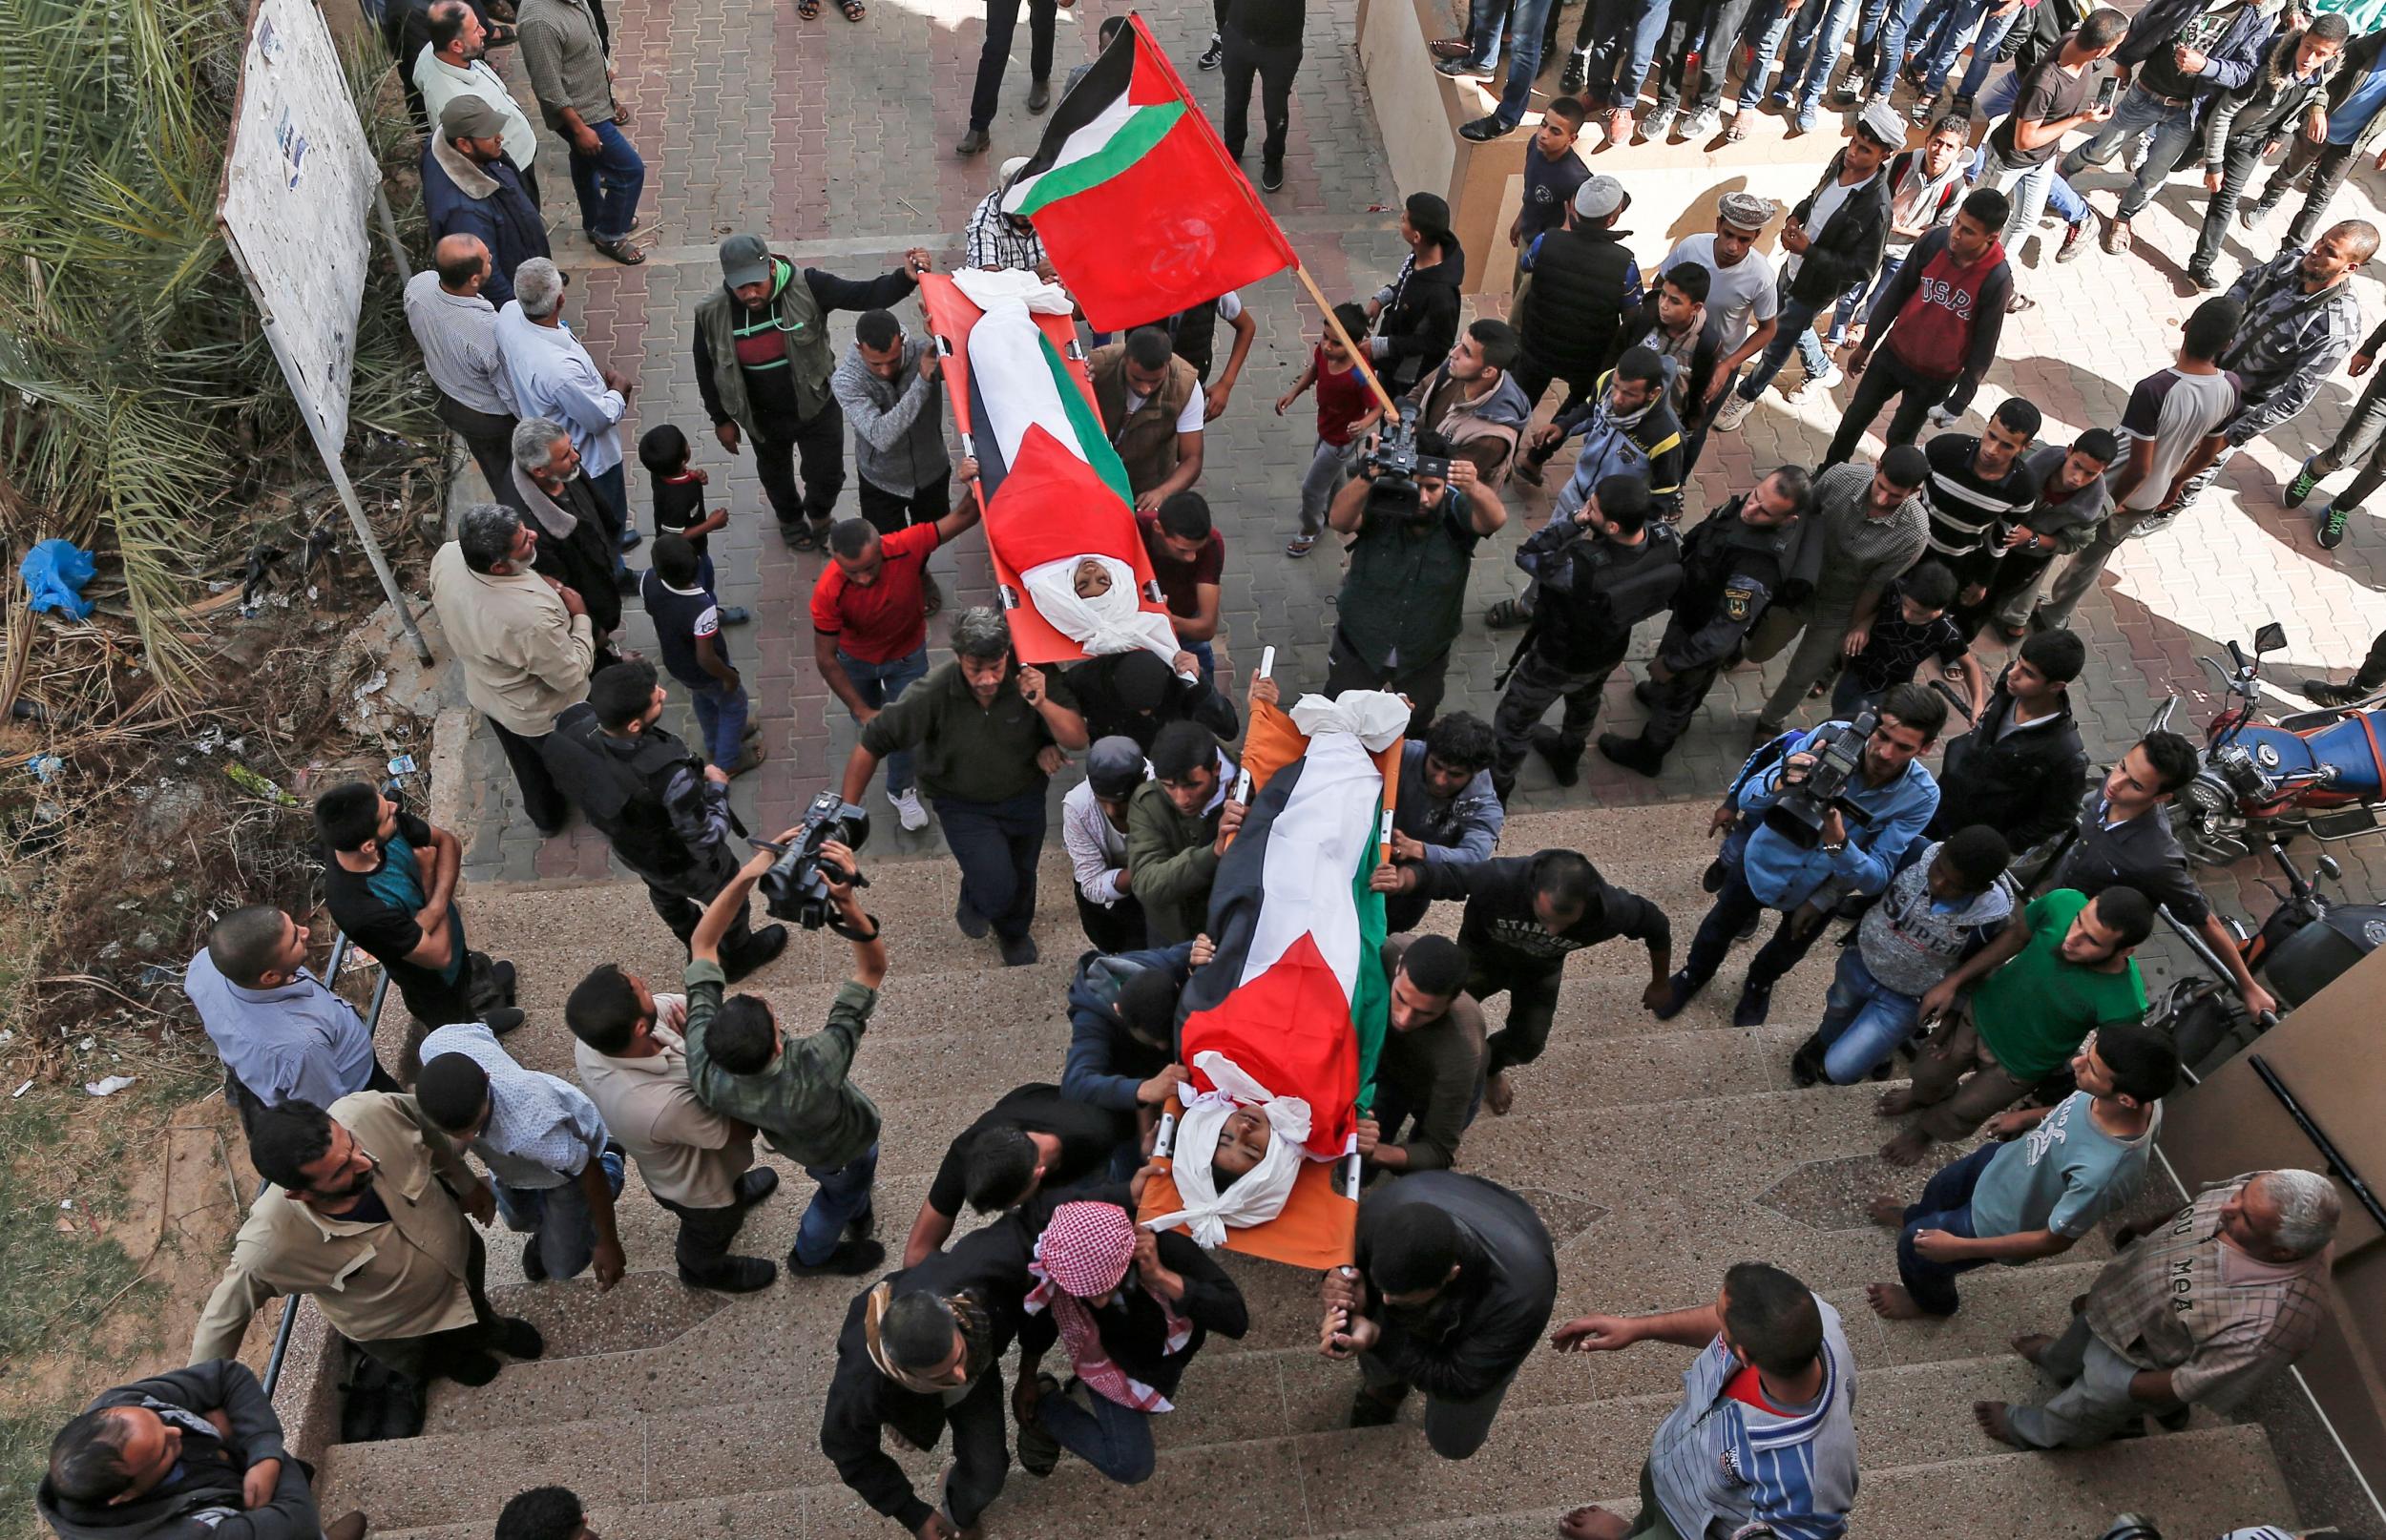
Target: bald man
457,329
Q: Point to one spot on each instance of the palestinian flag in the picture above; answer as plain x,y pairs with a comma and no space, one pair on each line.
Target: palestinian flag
1296,995
1140,208
1050,485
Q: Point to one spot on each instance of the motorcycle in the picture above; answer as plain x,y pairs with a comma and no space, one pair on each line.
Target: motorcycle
2321,773
2307,940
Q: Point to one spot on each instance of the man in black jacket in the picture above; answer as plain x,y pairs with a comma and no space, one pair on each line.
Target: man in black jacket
2020,770
1524,914
1134,695
1834,238
1263,38
192,1452
1416,314
1584,286
1129,1309
2286,99
665,810
1453,1280
921,1352
2353,131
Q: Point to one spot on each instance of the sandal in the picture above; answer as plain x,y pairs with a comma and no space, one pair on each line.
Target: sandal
1737,130
853,9
1508,615
809,10
620,251
1300,545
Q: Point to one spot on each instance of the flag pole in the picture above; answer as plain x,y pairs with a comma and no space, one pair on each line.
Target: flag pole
1358,355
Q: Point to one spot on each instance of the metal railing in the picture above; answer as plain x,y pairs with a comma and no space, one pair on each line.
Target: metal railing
332,965
2318,1135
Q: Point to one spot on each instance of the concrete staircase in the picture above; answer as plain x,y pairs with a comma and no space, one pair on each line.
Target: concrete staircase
1659,1153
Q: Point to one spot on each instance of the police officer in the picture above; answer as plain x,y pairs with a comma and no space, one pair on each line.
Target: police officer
1600,572
1731,563
665,810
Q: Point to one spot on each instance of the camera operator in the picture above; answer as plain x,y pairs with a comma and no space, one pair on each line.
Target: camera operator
665,810
1402,599
796,1092
1733,562
1602,572
1886,799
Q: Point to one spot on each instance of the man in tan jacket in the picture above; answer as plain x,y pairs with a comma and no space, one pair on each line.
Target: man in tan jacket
367,1213
525,642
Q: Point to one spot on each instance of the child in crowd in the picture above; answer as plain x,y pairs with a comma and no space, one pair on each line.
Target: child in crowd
1925,185
680,504
687,631
1346,413
1552,171
1913,624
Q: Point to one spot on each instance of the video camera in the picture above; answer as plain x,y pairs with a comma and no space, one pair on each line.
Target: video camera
1394,465
1797,814
796,887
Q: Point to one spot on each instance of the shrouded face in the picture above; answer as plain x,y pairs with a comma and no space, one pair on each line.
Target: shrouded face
1242,1142
1090,579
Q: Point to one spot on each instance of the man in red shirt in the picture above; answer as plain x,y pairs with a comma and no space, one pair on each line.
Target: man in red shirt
870,620
1189,555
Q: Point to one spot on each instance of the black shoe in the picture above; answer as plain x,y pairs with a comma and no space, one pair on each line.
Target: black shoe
502,1019
1213,55
863,1225
472,1369
1634,754
624,581
1805,1065
501,980
2203,278
1039,95
1713,878
765,944
1368,1409
1749,930
1684,990
973,143
1578,70
2321,693
631,539
1756,1002
756,1185
973,923
533,1261
517,1338
1565,761
1484,128
1270,176
1038,1451
733,1274
847,1258
1648,692
736,615
1018,951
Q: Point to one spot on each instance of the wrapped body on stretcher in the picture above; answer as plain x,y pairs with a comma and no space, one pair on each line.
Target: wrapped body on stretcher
1235,1152
1091,599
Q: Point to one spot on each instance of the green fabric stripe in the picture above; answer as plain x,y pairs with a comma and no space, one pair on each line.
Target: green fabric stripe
1370,1002
1134,140
1091,440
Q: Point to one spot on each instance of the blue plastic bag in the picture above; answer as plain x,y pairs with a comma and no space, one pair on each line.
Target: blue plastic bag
55,572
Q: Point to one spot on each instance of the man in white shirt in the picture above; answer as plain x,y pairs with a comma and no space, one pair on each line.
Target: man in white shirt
1742,295
457,329
554,377
452,65
1094,827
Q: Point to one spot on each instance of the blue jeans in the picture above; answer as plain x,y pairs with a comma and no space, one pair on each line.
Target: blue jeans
609,184
1858,300
997,845
840,1196
2168,130
1524,62
556,1219
878,684
1863,1020
1898,22
1115,1440
1813,52
721,711
1955,30
1849,697
1946,1205
614,489
1734,907
1628,32
1765,28
1796,331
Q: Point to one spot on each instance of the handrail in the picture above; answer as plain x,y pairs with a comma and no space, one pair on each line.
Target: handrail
372,1021
2336,1158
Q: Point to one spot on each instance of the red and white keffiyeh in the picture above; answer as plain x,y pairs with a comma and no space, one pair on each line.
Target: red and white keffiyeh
1087,1250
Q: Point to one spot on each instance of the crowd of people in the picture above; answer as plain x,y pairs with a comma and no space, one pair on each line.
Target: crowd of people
1990,890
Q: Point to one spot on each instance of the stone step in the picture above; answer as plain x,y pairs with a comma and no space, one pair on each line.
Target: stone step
1296,1473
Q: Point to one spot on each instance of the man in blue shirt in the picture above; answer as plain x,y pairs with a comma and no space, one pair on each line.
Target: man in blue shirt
279,1031
1887,801
2355,122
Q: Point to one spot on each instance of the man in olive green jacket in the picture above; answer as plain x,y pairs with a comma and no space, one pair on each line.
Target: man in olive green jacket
1178,824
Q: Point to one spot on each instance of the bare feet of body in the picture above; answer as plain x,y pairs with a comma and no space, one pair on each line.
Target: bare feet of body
1992,1417
1892,1302
1905,1149
2032,1346
1592,1523
1888,1212
1498,1094
1893,1103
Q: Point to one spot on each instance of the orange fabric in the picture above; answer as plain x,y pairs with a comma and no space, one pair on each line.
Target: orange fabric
1318,1228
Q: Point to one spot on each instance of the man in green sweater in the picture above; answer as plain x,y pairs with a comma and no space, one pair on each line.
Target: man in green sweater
796,1092
1178,824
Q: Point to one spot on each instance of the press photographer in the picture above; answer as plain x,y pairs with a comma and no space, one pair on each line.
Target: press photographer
796,1090
1415,516
665,810
1812,818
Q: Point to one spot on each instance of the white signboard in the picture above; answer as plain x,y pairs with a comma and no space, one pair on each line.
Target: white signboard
297,186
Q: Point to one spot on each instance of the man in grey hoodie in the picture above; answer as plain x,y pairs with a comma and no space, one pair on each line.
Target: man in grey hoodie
1470,401
891,388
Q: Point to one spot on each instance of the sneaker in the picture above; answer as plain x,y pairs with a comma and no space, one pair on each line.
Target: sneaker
1703,123
975,142
1830,378
1658,124
1734,412
471,1370
756,1186
1018,951
2253,214
1465,69
2321,693
1755,1002
2301,486
2333,521
2203,278
1577,71
1804,122
1618,126
1943,416
1213,55
1485,129
908,808
847,1258
733,1274
1851,89
973,923
1565,761
757,953
735,614
1682,990
2116,236
1270,176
